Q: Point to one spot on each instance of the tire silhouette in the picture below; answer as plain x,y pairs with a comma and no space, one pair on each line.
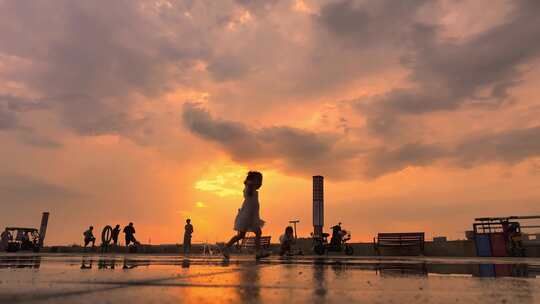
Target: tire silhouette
106,235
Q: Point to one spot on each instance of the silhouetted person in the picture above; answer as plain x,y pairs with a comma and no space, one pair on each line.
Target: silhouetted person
515,238
25,242
286,240
337,236
129,230
89,236
248,218
115,233
188,231
5,237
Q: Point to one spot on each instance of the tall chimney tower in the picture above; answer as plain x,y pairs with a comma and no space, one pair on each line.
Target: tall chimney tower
318,205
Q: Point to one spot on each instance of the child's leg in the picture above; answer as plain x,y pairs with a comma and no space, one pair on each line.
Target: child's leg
236,238
258,233
260,254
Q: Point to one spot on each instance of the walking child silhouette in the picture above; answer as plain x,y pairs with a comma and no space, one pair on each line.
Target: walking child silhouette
248,218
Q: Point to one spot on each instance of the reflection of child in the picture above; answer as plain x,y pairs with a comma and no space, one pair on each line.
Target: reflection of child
286,240
248,218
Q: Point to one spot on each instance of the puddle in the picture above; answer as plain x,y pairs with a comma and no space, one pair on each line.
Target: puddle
72,278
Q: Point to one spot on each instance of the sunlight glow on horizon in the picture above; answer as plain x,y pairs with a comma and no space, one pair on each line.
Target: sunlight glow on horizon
223,182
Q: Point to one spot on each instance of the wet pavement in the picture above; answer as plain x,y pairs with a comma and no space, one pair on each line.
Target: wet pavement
74,278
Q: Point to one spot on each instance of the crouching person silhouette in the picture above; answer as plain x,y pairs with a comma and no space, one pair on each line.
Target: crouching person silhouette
89,237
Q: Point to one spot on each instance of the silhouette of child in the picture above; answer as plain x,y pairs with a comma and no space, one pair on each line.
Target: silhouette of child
286,240
248,218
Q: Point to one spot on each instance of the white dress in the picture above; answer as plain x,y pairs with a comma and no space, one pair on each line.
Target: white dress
248,218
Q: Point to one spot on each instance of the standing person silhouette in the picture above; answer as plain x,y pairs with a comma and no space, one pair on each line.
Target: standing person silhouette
115,233
5,237
248,218
188,231
129,231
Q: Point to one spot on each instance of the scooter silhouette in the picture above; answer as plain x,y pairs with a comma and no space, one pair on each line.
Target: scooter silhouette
338,242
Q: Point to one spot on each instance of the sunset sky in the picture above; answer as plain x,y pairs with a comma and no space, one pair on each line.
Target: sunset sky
421,115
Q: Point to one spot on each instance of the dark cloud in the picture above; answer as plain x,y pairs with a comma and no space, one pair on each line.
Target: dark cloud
11,106
508,147
368,24
233,136
446,74
20,104
33,138
382,161
297,149
258,7
8,119
450,73
306,151
228,68
95,60
28,190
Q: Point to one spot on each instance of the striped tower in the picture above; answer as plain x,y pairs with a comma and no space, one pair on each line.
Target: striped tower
318,205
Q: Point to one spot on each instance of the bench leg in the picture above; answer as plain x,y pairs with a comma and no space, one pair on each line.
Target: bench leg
376,247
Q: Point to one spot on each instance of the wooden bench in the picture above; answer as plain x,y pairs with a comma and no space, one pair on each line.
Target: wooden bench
399,240
249,242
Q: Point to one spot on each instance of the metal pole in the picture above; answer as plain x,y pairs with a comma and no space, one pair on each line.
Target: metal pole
43,228
294,225
526,217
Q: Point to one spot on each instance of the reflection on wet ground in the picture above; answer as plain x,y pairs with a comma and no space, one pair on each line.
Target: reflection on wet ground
142,278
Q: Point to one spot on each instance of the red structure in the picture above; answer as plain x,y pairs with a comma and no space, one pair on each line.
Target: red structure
500,236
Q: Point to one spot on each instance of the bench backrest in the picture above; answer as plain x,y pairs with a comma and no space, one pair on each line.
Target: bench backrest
403,239
249,242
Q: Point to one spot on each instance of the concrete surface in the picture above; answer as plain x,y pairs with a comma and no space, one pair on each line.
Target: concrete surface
114,278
